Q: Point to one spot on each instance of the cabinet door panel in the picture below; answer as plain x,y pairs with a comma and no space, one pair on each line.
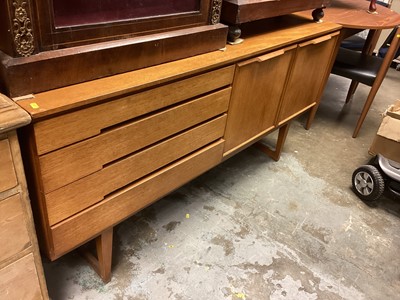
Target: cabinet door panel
257,90
307,76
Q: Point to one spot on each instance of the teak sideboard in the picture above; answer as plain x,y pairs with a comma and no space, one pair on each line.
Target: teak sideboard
99,151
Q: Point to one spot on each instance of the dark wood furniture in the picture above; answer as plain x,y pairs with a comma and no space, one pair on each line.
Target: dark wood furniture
81,42
21,271
99,151
238,12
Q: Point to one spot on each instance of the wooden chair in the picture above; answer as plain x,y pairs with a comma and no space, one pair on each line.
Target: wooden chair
367,69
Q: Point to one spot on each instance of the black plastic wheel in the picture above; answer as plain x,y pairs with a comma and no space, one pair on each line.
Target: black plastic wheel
368,183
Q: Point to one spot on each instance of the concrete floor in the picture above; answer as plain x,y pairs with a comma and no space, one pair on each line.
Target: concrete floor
253,228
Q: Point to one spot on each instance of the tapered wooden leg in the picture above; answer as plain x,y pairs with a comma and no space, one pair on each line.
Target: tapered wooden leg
275,154
365,110
102,263
394,45
311,117
352,90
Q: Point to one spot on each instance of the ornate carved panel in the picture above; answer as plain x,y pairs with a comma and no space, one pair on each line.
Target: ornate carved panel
215,11
23,34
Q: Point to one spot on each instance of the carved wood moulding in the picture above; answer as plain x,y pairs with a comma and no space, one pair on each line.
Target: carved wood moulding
23,35
215,11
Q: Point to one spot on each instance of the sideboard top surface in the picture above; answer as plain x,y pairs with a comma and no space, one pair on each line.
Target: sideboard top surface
259,37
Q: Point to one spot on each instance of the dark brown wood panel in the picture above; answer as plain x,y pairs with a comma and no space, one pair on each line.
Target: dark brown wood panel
36,73
242,11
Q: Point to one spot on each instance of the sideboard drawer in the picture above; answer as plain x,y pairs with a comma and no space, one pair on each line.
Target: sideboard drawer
118,206
79,195
76,161
73,127
8,178
19,280
14,235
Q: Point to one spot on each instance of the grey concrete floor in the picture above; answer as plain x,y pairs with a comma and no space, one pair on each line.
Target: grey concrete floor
253,228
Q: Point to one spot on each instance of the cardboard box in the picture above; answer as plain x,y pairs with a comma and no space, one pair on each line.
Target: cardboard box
394,110
387,139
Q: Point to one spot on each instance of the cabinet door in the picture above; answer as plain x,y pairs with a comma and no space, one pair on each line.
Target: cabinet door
257,89
308,76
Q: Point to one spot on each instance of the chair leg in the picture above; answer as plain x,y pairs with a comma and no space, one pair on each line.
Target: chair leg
395,44
352,90
365,110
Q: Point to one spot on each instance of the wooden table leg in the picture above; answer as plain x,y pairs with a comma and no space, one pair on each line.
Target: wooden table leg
102,263
275,154
371,41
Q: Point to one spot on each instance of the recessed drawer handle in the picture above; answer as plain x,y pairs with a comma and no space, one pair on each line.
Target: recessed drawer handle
275,54
270,55
317,41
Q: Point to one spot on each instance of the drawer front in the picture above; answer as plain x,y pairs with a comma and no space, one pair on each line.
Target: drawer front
88,224
8,178
66,165
19,280
14,235
79,195
64,130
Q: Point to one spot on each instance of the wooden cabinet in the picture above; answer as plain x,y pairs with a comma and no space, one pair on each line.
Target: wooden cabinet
86,40
21,273
258,87
101,164
273,88
99,151
309,71
236,12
